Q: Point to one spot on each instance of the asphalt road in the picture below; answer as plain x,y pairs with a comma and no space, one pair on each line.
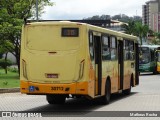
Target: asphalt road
145,97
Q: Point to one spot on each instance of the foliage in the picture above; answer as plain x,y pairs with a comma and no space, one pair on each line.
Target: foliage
137,29
129,28
4,63
156,39
13,69
120,17
97,17
141,31
5,83
12,14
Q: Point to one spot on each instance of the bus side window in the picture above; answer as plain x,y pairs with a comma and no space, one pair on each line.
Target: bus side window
126,50
113,48
91,46
106,55
131,48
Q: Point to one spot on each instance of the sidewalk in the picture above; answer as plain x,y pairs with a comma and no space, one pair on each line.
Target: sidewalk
9,90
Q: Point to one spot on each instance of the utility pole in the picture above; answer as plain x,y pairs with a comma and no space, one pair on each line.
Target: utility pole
37,9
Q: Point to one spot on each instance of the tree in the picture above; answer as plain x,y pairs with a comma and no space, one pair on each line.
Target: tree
141,31
12,15
137,29
129,27
95,17
105,17
122,18
117,17
5,63
156,39
4,51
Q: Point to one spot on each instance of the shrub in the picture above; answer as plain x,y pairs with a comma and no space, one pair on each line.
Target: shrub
5,83
4,64
13,69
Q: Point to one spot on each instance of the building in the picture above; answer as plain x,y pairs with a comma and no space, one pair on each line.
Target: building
151,15
117,25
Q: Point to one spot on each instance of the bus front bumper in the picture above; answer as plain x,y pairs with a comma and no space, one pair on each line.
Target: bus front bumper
79,88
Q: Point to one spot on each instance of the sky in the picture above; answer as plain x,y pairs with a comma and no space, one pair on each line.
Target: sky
79,9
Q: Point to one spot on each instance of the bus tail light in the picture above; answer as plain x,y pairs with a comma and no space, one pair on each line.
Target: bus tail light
24,66
81,69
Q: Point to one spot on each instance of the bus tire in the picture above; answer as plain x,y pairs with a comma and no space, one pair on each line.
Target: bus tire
106,98
56,99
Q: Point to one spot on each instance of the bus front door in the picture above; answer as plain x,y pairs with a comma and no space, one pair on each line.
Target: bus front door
120,64
137,64
98,64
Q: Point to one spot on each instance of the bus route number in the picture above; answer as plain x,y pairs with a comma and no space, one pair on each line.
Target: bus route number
57,88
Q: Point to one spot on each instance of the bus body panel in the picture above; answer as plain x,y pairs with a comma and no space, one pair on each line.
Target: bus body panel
53,64
40,45
129,69
110,68
46,71
158,66
40,88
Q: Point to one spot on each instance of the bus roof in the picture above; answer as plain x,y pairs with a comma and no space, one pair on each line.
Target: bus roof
111,32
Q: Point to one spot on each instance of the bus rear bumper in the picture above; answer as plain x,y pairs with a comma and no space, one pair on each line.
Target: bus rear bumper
42,88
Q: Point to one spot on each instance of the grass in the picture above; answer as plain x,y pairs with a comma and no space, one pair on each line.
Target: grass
9,80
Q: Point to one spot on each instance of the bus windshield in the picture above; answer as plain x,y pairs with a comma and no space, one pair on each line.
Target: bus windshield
144,55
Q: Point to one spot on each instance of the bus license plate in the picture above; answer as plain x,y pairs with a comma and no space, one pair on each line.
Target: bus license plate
57,88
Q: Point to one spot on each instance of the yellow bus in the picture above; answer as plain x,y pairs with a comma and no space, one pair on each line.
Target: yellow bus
61,59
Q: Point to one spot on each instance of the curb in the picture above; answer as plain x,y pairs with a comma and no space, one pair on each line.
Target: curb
10,90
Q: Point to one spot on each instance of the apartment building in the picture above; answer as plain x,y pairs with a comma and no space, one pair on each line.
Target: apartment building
151,14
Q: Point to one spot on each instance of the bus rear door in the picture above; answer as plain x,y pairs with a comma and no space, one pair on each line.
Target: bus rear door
98,64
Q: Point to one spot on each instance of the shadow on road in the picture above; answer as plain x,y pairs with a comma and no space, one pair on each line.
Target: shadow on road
78,107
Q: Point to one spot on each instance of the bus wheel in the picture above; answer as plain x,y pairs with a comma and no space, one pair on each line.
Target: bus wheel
56,99
106,98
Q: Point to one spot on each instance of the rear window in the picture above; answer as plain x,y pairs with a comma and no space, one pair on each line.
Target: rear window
51,37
